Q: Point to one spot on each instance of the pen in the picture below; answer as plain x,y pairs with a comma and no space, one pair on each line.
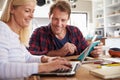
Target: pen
109,65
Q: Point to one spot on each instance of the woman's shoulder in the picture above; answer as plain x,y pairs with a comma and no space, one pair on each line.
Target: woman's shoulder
4,29
3,25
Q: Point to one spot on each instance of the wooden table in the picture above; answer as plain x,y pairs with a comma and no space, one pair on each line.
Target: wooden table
81,74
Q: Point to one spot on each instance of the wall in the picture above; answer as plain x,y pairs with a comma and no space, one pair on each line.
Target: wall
41,12
84,6
81,6
2,4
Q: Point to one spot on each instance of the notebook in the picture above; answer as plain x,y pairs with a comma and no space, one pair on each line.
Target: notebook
75,66
107,72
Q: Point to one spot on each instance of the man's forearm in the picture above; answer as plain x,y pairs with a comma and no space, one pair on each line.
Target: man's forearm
56,53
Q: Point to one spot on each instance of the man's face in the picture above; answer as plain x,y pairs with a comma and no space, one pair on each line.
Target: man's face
59,21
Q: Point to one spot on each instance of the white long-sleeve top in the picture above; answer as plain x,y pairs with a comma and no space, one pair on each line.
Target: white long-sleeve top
15,61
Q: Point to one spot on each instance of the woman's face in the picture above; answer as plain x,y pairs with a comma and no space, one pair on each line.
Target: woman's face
23,14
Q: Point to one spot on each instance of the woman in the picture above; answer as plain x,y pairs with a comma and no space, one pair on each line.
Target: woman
15,61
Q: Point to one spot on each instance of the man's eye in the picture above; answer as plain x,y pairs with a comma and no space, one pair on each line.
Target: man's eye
26,10
63,20
54,18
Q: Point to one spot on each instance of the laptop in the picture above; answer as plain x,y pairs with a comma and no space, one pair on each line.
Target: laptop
88,50
72,72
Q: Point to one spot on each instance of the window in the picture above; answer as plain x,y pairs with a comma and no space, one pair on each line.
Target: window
77,19
80,20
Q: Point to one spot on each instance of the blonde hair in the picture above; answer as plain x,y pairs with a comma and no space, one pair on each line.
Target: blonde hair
24,33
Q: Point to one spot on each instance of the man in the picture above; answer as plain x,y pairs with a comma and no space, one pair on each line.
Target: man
58,38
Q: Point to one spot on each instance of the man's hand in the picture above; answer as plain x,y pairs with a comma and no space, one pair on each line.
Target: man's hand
68,48
97,50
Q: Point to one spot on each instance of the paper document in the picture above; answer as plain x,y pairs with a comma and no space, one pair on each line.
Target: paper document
107,72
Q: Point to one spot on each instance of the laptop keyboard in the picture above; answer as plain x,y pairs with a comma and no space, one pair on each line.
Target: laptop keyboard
74,67
61,71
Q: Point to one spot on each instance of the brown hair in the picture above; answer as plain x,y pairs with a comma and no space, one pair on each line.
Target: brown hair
62,5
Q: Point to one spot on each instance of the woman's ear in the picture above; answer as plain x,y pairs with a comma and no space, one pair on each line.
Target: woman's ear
12,10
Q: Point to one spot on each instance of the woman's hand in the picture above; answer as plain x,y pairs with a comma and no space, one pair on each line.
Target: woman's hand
55,58
55,64
45,59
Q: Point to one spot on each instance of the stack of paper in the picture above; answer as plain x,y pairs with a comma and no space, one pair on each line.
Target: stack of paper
107,72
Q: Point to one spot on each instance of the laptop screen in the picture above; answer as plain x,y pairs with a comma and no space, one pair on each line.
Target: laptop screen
87,51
